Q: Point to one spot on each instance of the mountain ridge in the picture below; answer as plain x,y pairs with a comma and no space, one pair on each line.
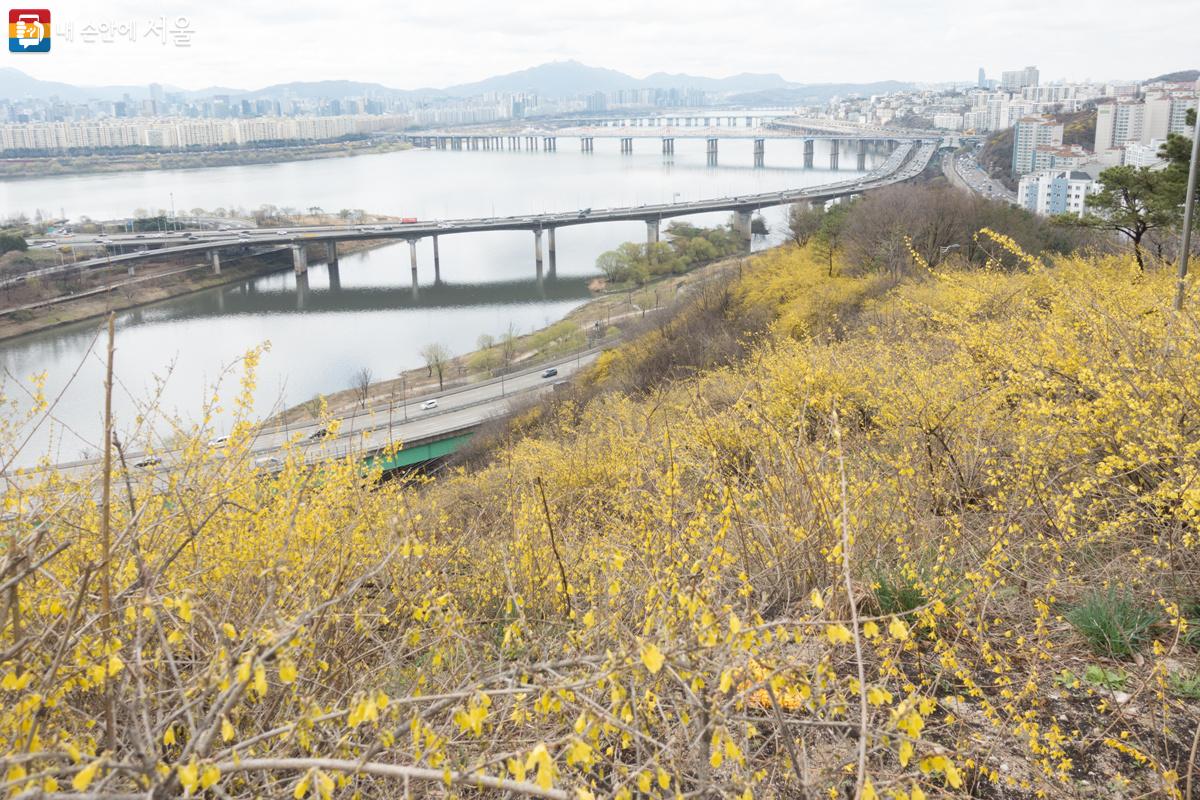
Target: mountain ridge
551,79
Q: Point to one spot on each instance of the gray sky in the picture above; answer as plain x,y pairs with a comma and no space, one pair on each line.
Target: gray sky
248,44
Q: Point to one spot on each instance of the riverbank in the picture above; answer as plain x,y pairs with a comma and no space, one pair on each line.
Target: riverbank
53,166
155,284
607,317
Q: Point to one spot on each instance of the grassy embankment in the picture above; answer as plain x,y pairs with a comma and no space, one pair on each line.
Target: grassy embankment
611,313
814,536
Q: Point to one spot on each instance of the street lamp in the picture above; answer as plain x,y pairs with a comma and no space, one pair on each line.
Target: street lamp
1188,207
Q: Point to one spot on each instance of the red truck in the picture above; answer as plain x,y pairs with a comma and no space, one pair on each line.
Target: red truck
407,220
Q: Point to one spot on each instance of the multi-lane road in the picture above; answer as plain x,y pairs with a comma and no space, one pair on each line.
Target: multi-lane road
374,427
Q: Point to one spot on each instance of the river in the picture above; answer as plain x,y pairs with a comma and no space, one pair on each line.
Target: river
320,335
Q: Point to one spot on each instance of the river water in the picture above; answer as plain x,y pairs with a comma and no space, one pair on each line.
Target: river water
321,334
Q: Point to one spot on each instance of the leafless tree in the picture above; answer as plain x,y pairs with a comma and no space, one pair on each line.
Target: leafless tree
436,356
362,385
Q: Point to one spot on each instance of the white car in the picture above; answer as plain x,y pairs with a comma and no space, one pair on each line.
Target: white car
220,441
428,404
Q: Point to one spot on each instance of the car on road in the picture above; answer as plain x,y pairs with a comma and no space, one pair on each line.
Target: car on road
220,441
549,373
318,434
268,462
148,461
428,404
244,233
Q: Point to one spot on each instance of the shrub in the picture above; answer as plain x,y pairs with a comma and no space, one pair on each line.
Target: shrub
1113,623
898,594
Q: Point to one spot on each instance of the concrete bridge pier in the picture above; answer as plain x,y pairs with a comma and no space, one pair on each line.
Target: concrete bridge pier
437,263
301,291
760,148
335,277
809,147
214,258
549,144
537,252
627,145
712,150
652,231
299,259
741,226
331,256
585,144
833,156
412,257
862,155
668,145
552,253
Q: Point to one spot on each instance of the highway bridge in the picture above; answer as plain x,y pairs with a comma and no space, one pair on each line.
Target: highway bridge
907,161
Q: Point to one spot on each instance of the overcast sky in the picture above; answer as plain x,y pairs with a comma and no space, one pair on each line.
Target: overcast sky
248,44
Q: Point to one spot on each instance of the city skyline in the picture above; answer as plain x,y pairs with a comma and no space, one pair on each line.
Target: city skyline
462,41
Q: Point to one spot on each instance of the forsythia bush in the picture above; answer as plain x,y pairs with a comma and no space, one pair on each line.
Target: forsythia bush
843,566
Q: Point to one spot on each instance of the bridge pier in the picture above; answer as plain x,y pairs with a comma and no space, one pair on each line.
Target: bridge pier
552,253
437,263
585,144
627,145
331,256
335,277
549,144
668,145
412,256
299,259
301,291
712,149
652,231
537,252
862,155
214,258
741,226
809,147
760,148
833,155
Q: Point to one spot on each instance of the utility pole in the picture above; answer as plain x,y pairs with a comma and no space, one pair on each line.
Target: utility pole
1189,205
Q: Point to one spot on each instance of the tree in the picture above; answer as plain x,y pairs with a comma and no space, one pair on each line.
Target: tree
508,345
436,356
1177,151
804,220
829,236
362,385
1132,201
10,240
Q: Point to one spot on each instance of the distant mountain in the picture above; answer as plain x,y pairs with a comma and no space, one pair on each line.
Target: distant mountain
16,85
555,79
565,78
317,89
744,82
1183,76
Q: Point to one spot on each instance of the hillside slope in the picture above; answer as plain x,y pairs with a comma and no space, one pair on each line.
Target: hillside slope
904,540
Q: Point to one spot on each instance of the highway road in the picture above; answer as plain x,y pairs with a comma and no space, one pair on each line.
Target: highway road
367,430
